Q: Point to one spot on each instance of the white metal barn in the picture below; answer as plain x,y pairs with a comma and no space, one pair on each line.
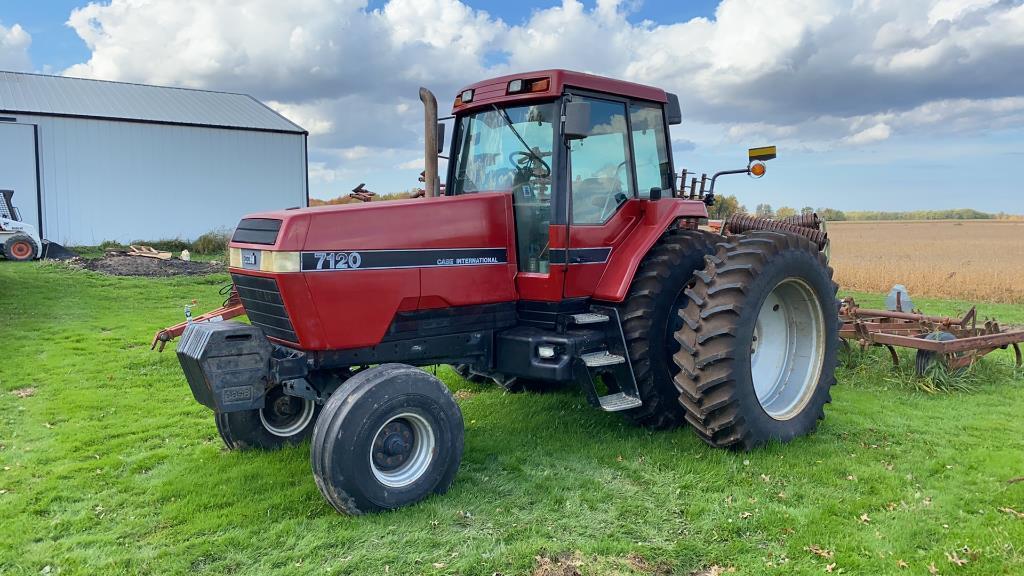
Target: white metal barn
91,161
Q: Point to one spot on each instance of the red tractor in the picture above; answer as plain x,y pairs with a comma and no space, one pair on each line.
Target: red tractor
561,251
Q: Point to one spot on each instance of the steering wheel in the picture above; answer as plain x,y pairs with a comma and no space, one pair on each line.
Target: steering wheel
524,161
619,196
619,169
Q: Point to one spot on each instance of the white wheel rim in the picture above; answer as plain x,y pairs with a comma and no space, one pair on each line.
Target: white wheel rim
417,459
294,426
787,352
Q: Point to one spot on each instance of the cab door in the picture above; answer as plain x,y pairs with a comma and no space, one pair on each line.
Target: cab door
603,204
607,196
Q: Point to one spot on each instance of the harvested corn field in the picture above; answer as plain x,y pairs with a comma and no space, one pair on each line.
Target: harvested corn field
968,260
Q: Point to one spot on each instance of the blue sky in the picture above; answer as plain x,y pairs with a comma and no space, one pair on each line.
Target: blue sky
911,105
54,45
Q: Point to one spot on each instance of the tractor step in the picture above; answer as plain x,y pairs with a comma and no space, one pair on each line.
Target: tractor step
589,318
618,401
602,358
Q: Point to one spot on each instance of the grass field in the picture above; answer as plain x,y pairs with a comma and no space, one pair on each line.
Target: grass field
108,466
972,259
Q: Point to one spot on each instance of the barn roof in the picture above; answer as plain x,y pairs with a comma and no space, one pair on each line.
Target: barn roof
22,93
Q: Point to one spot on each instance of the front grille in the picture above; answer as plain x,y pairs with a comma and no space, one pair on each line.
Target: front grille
257,231
263,305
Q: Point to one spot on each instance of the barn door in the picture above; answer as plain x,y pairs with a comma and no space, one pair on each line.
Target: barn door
18,169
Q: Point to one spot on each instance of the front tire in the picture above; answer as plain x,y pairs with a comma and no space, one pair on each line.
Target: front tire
283,421
759,341
20,248
388,437
650,318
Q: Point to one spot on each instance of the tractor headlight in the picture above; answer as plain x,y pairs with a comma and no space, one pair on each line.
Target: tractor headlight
279,261
264,260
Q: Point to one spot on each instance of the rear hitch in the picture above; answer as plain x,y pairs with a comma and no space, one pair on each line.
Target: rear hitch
232,307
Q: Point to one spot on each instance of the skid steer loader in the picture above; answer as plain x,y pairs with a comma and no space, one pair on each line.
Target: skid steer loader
19,240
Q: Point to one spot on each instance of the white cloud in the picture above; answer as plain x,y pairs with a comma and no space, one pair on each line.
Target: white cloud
875,133
309,116
14,45
813,73
355,153
415,164
319,173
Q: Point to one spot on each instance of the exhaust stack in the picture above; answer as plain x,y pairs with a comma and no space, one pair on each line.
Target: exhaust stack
431,184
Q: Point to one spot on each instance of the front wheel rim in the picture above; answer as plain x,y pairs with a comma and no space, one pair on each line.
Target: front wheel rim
21,250
787,349
284,415
402,450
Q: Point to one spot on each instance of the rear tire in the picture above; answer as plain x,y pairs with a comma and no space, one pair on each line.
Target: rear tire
651,315
20,248
759,342
283,421
389,437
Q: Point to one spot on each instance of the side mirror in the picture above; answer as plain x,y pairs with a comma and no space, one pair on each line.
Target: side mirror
655,193
440,137
673,113
577,120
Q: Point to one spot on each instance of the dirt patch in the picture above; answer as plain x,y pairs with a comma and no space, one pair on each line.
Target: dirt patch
122,265
715,570
24,392
563,564
642,565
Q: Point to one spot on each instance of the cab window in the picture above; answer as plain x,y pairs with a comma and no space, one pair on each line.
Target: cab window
600,179
650,148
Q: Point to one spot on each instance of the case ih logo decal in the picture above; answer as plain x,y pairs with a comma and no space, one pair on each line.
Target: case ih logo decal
386,259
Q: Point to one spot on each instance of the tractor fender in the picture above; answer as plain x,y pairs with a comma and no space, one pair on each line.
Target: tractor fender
626,257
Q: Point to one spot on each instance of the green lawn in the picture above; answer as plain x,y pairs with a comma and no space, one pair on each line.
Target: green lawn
111,467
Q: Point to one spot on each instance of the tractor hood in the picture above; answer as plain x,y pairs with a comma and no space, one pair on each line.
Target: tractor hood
387,225
334,277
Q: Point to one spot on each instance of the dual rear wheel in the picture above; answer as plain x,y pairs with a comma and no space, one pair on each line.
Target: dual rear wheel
735,335
759,341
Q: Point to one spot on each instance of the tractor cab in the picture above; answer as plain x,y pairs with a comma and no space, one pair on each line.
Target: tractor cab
584,159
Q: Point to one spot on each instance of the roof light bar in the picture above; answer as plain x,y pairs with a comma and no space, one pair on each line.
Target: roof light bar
540,85
520,85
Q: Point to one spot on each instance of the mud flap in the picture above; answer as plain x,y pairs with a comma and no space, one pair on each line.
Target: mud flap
226,364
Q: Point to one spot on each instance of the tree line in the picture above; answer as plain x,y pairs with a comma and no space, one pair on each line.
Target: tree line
726,206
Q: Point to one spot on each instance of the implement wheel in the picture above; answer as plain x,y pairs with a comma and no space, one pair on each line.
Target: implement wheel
389,437
20,248
759,341
924,359
284,420
651,316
